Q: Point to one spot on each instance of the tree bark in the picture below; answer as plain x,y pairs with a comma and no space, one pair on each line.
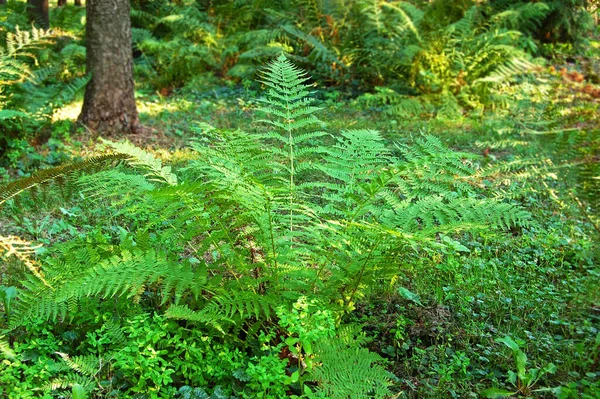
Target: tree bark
38,12
78,3
109,102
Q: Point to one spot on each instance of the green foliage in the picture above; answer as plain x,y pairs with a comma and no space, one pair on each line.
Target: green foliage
14,70
522,379
29,94
553,21
276,259
175,42
256,223
45,176
453,56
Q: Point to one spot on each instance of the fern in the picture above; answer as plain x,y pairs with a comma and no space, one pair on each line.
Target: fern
6,350
45,176
144,160
290,109
271,215
85,371
409,16
23,251
226,308
320,52
365,378
18,45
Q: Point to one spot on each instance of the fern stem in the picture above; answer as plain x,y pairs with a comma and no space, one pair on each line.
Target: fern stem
291,144
218,248
360,275
273,250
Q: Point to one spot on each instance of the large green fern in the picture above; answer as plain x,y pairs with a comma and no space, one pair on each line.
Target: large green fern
260,219
278,213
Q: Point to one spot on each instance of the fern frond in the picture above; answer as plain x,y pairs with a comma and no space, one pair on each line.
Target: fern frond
410,16
226,307
434,169
71,89
524,17
18,43
69,380
85,365
434,215
346,370
23,251
6,350
144,160
320,52
45,176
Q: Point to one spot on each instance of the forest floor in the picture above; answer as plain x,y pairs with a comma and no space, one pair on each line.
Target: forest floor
539,286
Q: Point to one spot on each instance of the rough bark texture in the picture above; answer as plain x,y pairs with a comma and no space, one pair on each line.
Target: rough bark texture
109,102
38,12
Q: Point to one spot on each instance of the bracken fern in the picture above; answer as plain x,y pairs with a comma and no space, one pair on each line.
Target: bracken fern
257,220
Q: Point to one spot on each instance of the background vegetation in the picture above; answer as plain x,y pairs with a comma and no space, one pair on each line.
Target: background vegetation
416,215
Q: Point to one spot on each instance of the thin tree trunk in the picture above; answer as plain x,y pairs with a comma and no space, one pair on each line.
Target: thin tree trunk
109,102
78,3
38,12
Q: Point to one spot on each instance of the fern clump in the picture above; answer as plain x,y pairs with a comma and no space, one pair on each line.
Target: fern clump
257,221
29,94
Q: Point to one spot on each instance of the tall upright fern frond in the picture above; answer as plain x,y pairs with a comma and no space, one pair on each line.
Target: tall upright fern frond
289,108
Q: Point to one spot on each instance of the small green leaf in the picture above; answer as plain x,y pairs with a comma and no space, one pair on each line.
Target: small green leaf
295,376
512,377
291,341
79,392
528,378
457,246
11,293
409,295
496,393
219,393
549,369
521,361
508,342
309,363
559,392
307,348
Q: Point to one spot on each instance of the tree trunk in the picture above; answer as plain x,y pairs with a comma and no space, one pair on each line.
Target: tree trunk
109,102
78,3
38,12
